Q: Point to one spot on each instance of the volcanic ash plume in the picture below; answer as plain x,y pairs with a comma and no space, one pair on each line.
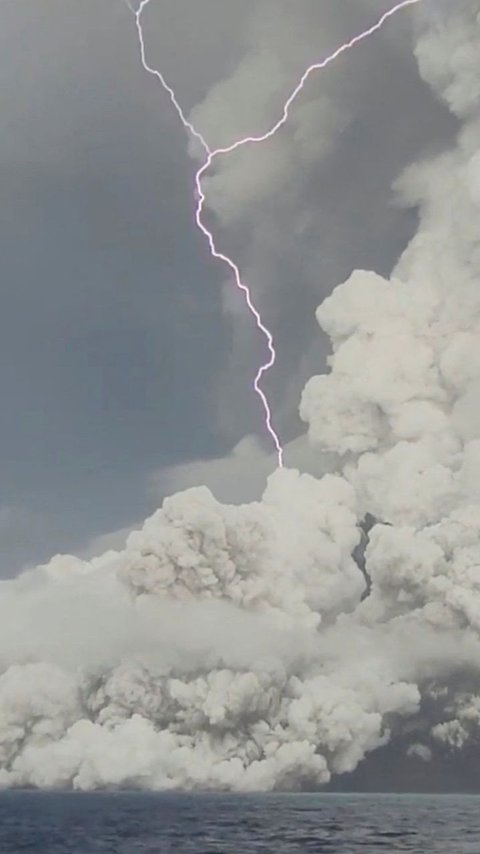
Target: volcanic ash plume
275,644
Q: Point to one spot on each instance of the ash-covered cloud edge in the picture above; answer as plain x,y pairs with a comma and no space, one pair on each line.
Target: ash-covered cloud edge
252,647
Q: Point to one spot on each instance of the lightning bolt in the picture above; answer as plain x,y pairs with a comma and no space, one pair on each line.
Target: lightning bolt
212,154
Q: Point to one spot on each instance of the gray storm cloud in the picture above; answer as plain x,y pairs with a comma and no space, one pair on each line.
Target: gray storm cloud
253,647
287,210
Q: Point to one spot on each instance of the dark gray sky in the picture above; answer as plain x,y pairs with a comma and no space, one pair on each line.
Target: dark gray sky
122,354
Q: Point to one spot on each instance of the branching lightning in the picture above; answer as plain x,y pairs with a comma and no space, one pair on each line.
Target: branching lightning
212,154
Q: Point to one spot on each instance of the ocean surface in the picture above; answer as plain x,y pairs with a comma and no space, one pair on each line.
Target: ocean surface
283,824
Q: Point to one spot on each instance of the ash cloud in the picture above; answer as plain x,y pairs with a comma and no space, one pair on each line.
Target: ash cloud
240,647
293,211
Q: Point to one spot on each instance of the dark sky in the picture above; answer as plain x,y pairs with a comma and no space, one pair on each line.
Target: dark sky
123,354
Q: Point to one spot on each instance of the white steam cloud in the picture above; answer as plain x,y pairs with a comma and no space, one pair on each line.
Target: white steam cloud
256,647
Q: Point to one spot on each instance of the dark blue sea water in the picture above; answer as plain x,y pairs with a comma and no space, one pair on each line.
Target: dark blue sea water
283,824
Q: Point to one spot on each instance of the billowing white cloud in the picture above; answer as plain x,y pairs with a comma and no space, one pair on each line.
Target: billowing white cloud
283,209
253,646
240,476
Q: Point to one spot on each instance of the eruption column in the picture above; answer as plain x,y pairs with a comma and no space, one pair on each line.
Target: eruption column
212,154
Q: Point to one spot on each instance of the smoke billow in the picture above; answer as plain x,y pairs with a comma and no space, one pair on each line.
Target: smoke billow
293,211
257,647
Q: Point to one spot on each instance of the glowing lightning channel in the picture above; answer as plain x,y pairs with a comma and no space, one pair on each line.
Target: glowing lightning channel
211,154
